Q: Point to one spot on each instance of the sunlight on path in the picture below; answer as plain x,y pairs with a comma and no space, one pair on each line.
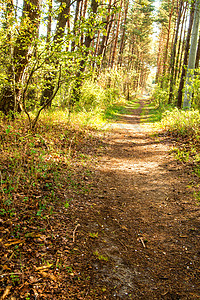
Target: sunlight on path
128,127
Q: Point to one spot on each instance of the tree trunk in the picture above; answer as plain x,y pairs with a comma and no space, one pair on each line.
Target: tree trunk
173,55
192,58
75,23
181,42
121,50
198,55
29,28
187,45
79,76
57,40
104,46
83,16
116,38
49,22
167,44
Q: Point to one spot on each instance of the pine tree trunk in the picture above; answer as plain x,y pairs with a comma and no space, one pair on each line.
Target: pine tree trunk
173,54
181,41
107,28
83,16
167,44
185,60
116,38
121,50
198,55
192,58
103,49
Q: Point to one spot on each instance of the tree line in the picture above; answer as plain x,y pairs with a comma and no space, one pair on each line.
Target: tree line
179,53
52,47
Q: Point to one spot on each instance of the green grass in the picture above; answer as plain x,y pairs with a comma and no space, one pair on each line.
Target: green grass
151,113
114,111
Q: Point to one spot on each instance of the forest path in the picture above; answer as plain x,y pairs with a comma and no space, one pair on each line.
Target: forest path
142,220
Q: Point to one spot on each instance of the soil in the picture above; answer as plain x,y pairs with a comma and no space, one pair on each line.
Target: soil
134,234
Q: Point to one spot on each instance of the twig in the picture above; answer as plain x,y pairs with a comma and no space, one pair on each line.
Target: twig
1,182
74,232
70,146
143,244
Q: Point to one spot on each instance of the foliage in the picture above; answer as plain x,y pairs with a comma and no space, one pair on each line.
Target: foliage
183,123
38,72
196,89
160,96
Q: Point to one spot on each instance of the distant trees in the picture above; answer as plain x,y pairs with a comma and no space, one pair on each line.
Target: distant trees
178,41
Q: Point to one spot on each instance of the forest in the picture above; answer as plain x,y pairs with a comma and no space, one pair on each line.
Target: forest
99,149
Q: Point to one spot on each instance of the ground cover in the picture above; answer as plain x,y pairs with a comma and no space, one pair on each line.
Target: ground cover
97,214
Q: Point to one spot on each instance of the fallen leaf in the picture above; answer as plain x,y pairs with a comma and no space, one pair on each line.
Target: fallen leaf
43,267
48,275
124,227
14,243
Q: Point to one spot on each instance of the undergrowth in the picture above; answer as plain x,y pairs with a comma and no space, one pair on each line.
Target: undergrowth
43,174
182,123
36,166
185,127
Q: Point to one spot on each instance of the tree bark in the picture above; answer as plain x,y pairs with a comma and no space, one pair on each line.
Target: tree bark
185,60
167,43
49,22
116,38
198,55
173,54
192,58
75,23
121,49
181,42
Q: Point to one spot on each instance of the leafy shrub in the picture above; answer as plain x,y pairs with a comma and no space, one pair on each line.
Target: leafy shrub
160,96
94,96
181,122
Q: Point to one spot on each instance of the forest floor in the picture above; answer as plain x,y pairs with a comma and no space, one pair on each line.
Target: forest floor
129,231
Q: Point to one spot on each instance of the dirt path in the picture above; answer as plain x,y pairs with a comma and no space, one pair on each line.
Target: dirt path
142,222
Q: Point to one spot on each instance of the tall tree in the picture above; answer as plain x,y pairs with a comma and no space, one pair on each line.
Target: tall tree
56,47
29,27
91,22
185,60
192,57
122,44
116,37
173,54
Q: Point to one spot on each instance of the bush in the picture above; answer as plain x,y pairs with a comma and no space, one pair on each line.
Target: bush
184,123
95,97
160,96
